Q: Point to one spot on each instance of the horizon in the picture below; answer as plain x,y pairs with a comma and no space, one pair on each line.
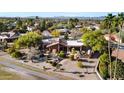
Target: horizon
55,14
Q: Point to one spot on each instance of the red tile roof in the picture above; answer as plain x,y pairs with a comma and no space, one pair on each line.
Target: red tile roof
120,54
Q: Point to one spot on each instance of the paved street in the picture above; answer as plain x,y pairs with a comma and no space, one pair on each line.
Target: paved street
23,71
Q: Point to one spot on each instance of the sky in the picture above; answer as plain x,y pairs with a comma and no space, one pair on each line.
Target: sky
53,14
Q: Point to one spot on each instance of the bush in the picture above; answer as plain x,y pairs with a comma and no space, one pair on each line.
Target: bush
11,50
54,64
103,69
71,57
73,51
104,58
58,66
62,54
80,64
16,54
103,65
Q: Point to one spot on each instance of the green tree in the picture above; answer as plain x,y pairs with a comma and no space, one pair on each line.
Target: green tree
31,39
19,24
3,27
62,54
55,33
29,22
95,40
43,25
108,25
66,36
120,25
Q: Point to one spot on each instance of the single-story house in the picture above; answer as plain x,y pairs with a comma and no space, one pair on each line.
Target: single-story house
9,36
30,28
120,54
46,34
64,45
78,26
113,38
63,31
93,27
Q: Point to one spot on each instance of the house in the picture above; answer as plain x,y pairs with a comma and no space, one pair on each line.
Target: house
64,45
78,26
77,44
9,36
93,27
63,31
30,28
113,38
36,24
120,54
46,34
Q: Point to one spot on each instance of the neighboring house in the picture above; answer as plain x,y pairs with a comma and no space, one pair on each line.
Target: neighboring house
75,34
113,38
120,54
93,27
46,34
78,26
30,28
9,36
36,24
63,31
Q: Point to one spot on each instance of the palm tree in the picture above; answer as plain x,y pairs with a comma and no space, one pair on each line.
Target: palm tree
108,24
120,25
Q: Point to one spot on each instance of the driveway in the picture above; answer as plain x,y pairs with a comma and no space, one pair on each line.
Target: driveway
85,73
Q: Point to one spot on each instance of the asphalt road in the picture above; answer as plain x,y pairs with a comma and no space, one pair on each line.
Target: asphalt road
24,71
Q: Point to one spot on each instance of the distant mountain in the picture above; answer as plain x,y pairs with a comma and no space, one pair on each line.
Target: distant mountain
63,17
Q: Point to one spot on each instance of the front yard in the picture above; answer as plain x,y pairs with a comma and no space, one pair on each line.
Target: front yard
70,69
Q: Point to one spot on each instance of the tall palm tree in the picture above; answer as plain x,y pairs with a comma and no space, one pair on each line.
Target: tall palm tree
120,25
108,24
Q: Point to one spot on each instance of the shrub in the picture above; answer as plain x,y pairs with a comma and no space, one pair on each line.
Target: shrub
104,58
103,65
103,69
16,54
73,51
11,50
58,66
71,57
66,36
62,54
54,64
80,64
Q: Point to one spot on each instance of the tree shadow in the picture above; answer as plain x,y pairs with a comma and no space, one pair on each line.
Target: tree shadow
83,60
91,61
73,72
81,75
86,66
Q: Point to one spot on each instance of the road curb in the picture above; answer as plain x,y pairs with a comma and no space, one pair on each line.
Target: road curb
96,70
